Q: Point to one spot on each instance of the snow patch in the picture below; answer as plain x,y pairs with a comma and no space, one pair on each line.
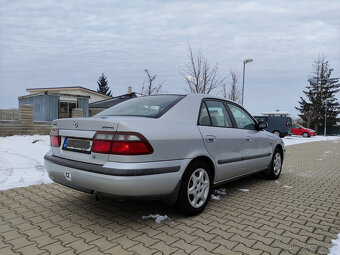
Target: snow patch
244,190
158,218
220,191
335,249
22,161
294,139
217,197
304,175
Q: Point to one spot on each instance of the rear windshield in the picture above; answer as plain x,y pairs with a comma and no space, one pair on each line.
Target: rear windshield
148,106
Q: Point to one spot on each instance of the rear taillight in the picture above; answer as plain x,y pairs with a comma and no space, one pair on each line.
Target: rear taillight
287,123
102,142
55,138
121,143
130,144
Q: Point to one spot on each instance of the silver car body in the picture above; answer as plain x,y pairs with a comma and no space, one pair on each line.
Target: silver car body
177,140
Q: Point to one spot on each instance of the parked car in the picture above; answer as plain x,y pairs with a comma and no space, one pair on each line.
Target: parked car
300,130
169,147
278,123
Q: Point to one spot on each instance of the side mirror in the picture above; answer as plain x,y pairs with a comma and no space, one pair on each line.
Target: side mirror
262,125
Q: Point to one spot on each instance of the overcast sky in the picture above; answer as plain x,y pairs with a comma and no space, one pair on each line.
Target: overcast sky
70,43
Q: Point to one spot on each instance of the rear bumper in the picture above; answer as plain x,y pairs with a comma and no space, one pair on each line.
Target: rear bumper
151,180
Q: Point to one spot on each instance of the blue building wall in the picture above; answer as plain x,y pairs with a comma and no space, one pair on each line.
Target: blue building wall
46,106
84,104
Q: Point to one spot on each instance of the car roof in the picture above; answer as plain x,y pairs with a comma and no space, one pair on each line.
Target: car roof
198,96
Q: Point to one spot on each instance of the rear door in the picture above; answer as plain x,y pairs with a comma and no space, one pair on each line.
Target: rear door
257,147
223,142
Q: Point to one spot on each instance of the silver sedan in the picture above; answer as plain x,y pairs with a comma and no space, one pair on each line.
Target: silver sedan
168,147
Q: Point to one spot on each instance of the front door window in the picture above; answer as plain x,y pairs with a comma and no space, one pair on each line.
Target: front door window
242,119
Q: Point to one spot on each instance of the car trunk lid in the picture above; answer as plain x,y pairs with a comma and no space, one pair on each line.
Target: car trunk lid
77,138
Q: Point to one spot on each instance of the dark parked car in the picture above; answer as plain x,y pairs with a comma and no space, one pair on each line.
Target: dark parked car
279,123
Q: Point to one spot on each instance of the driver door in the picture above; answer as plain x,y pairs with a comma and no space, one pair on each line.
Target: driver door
257,147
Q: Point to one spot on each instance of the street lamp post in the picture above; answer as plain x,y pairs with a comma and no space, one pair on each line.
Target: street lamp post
248,60
326,101
325,129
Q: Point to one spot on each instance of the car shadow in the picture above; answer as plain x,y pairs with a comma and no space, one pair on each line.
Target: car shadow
113,209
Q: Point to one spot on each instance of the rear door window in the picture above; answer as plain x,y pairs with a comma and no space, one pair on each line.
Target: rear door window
213,113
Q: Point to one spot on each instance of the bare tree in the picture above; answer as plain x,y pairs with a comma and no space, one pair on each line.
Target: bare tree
149,88
199,75
234,92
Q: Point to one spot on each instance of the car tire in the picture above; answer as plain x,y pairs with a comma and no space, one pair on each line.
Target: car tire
274,170
195,188
276,132
305,134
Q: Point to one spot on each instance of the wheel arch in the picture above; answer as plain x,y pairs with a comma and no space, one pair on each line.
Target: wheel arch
210,163
280,148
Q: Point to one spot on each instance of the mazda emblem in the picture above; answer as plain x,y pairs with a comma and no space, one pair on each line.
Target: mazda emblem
75,124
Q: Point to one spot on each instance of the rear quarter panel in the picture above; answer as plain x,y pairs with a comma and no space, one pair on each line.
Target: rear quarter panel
173,136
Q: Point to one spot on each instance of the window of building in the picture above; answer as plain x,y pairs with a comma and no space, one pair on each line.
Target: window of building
65,109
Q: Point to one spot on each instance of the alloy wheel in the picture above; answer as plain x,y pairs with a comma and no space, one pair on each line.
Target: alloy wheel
198,187
277,163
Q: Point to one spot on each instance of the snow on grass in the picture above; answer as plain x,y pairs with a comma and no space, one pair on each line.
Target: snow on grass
295,139
244,190
335,249
22,161
158,218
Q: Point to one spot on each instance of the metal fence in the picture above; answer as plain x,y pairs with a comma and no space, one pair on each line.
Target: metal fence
330,130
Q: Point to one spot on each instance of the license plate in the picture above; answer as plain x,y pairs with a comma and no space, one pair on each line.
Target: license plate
79,145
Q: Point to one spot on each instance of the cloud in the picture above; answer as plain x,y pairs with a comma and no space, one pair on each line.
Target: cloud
65,43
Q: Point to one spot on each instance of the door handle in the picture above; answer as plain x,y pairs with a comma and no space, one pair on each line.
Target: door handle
210,138
248,138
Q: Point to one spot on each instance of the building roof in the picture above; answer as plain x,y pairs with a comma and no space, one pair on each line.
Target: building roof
112,101
37,90
54,94
277,113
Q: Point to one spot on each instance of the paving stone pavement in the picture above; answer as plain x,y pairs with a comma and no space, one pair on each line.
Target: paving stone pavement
298,214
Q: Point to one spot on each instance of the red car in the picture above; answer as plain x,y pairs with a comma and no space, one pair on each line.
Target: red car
300,130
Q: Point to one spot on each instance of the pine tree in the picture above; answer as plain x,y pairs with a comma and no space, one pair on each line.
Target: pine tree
103,87
320,96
